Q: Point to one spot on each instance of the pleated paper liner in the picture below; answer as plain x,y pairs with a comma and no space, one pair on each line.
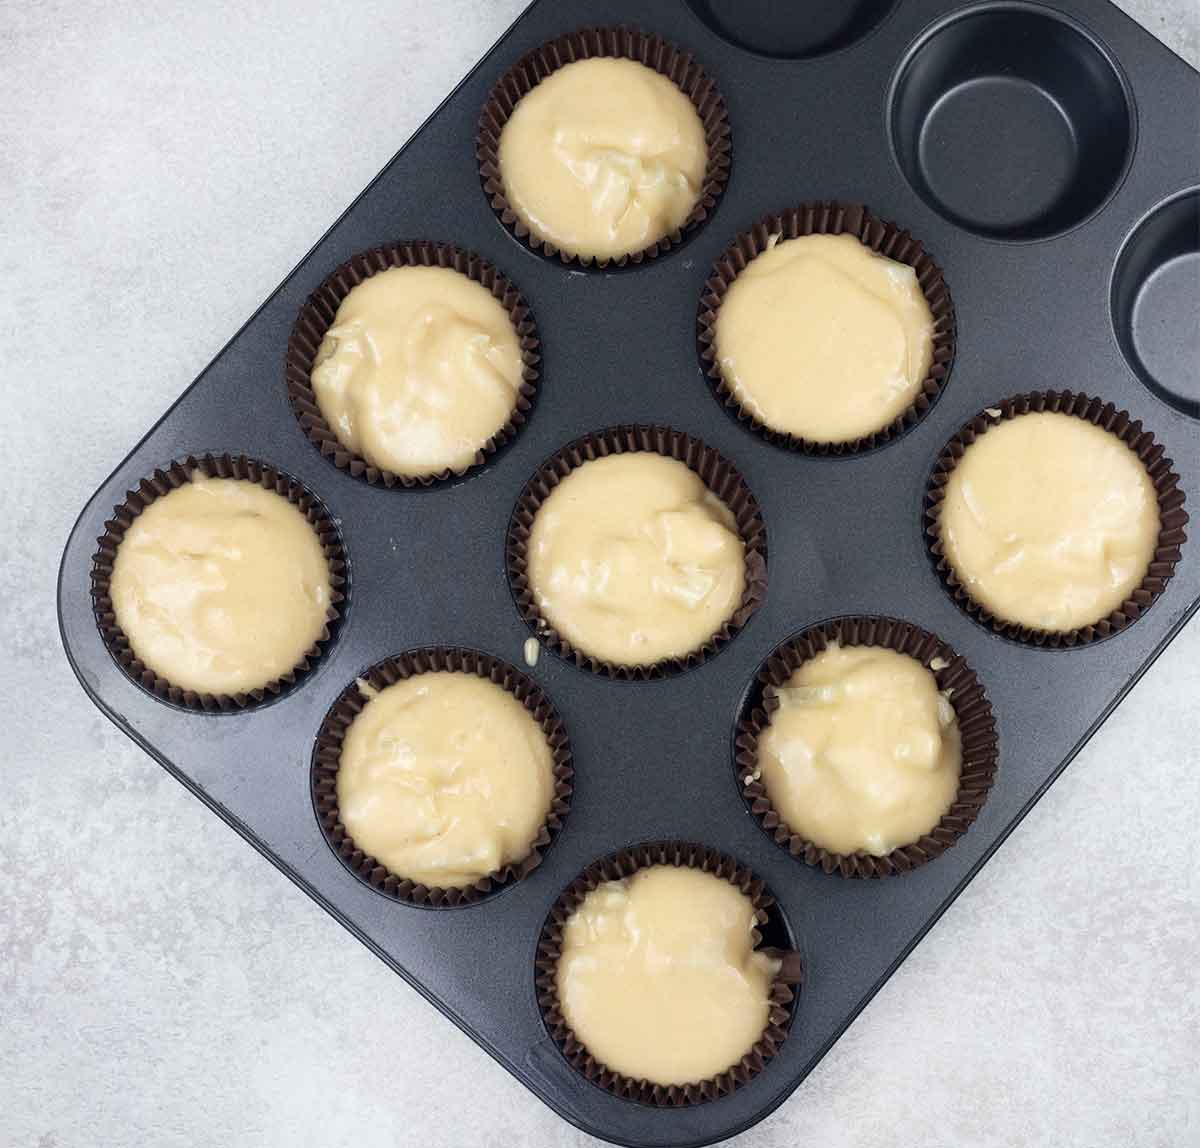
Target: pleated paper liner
625,863
622,43
879,235
327,760
1172,516
317,316
714,470
975,722
162,482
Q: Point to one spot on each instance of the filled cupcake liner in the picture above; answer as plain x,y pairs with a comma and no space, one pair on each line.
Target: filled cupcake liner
162,482
881,236
317,316
714,470
976,725
622,43
327,760
1172,516
624,863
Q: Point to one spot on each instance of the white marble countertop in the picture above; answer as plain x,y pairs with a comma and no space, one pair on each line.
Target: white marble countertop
162,984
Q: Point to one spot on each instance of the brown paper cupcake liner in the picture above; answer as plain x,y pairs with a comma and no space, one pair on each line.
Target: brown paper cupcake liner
879,235
162,482
1172,516
975,722
317,316
716,472
623,43
327,760
623,864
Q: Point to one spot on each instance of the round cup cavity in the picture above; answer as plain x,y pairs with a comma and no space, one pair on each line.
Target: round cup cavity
773,932
318,315
716,472
327,754
158,485
1172,516
1011,121
791,31
1155,301
618,42
967,695
881,236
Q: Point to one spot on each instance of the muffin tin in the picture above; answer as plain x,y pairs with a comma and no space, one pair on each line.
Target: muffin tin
1044,159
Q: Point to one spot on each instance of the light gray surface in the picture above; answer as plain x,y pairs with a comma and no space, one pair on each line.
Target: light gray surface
162,984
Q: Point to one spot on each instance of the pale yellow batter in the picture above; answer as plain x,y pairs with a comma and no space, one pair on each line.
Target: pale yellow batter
420,368
603,158
864,753
1049,521
821,338
633,559
444,778
220,586
658,976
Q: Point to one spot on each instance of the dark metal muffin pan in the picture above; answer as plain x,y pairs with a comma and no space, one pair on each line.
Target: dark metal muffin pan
938,116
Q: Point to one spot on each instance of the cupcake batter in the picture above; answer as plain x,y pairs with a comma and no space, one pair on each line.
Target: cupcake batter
603,158
863,753
633,559
444,778
1049,521
659,978
221,586
821,338
420,369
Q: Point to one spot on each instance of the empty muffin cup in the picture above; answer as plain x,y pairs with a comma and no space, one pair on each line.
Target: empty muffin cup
879,238
1164,552
956,682
782,976
1155,299
317,316
613,43
1044,94
791,31
179,475
332,741
728,509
